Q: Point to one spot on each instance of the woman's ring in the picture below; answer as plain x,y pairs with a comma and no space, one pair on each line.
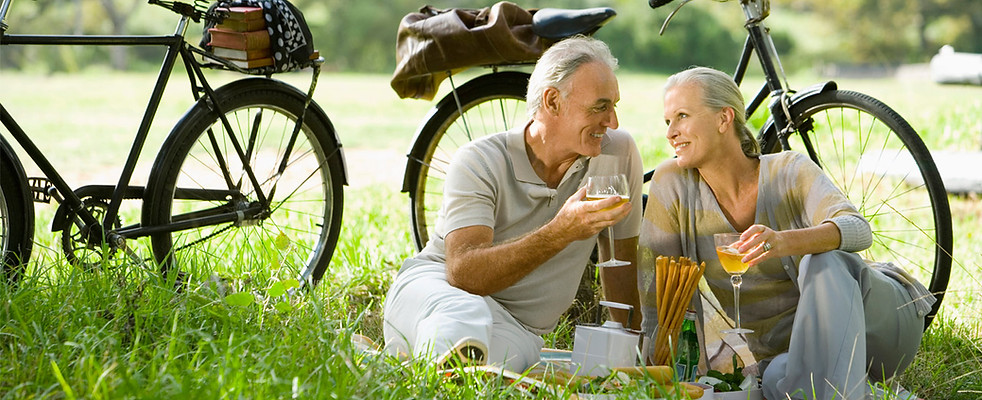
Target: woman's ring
766,246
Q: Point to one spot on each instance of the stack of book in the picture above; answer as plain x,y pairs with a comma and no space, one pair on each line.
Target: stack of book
242,38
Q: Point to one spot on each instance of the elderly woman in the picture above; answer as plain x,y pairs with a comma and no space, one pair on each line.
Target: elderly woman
825,324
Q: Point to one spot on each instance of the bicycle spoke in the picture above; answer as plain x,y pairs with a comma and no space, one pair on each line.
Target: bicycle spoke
246,166
300,185
217,157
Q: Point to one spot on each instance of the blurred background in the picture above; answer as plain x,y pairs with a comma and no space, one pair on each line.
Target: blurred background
826,37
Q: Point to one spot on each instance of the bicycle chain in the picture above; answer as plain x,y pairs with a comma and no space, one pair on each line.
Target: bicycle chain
204,239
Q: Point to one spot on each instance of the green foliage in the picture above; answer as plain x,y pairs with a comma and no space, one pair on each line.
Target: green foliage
360,35
729,381
695,36
895,31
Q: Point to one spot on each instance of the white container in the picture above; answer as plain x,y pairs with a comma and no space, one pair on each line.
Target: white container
707,391
598,348
752,394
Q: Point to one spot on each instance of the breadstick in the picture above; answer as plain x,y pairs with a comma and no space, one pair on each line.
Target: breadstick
679,293
665,295
679,272
660,271
667,303
689,288
657,373
683,270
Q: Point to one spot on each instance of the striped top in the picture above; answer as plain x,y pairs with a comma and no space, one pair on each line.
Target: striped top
682,215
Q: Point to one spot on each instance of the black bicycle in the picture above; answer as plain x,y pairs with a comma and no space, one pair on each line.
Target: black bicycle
249,179
868,149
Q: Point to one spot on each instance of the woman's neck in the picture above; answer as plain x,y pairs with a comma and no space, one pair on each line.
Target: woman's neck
734,184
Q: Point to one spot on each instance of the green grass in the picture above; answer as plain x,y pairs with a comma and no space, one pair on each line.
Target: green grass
124,332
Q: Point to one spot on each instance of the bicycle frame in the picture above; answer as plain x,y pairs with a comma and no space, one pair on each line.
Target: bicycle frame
176,47
759,41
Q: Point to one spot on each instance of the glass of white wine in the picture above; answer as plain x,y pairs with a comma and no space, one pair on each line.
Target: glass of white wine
603,187
731,259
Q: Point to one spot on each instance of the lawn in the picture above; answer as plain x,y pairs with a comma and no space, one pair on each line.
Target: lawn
125,333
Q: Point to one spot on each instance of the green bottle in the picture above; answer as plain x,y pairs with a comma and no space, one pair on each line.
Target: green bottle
687,352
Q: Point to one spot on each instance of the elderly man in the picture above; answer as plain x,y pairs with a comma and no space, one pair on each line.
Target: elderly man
515,231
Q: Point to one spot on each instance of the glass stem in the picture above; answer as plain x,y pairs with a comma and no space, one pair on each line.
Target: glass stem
736,280
610,238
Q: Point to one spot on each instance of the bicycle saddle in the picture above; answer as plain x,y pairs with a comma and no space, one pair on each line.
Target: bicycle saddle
557,23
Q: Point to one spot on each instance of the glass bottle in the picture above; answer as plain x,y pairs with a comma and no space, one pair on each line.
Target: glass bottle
687,352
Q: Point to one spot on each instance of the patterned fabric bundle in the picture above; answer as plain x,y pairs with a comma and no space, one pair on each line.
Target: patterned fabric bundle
291,42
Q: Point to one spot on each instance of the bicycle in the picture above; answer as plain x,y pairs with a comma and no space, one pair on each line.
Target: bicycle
251,175
868,149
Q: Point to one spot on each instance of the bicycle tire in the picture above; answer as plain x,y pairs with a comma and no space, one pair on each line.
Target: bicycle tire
297,230
16,215
883,166
489,104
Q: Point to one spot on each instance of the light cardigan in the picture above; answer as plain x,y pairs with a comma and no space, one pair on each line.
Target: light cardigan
682,214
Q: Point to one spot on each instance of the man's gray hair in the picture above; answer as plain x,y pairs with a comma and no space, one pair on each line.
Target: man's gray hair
558,64
720,91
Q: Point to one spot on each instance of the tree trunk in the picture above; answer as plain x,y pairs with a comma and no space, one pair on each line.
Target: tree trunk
118,55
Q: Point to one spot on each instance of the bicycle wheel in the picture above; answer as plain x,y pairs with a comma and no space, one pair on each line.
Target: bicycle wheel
288,216
881,164
16,216
489,104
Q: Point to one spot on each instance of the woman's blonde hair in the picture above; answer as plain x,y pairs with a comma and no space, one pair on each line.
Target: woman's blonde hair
720,91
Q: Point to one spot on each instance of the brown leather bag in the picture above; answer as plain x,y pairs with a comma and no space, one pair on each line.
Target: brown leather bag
432,43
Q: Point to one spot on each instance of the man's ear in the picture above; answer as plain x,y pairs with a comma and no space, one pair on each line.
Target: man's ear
552,100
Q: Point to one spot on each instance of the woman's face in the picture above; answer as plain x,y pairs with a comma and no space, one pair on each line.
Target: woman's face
694,130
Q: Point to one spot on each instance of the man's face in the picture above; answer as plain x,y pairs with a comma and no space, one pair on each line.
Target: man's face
587,108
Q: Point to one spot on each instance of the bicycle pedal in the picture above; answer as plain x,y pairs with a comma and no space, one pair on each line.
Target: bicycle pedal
40,187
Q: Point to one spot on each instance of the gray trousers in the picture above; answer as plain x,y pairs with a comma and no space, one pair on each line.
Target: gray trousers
853,325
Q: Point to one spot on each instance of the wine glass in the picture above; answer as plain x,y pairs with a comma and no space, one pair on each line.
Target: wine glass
731,258
603,187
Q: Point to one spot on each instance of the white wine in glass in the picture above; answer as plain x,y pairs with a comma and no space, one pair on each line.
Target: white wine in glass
731,259
604,187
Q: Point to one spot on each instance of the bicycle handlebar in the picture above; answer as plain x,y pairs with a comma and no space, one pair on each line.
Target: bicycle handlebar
658,3
195,11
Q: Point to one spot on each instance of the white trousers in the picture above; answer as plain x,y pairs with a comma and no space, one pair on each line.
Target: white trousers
424,316
853,323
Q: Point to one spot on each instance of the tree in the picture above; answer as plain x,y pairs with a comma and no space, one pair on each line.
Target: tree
961,20
118,16
893,31
695,36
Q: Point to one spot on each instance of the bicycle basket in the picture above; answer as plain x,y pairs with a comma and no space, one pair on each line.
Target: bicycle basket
291,45
433,41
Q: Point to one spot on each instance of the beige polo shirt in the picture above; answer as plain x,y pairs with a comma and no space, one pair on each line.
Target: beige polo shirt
490,182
